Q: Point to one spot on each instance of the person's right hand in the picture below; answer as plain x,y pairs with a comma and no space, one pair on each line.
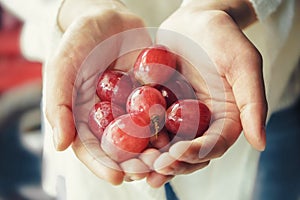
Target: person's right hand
69,86
230,82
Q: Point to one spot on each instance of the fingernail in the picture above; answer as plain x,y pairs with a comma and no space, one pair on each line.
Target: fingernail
55,137
262,139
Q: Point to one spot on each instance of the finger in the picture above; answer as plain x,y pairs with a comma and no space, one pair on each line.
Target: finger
61,74
134,169
157,180
96,160
59,93
167,165
248,89
149,156
242,68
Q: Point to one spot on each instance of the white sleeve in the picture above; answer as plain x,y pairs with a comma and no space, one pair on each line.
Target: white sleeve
38,17
276,35
163,9
265,8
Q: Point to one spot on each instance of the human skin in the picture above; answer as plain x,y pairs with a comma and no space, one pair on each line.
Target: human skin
215,27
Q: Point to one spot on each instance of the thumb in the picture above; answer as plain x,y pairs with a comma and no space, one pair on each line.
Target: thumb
245,77
60,75
58,93
59,81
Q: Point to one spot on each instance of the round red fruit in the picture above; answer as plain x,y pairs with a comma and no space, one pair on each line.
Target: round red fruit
148,104
101,115
114,86
155,64
160,141
176,88
124,139
188,118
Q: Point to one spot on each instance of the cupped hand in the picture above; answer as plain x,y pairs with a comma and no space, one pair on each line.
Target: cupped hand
91,42
225,70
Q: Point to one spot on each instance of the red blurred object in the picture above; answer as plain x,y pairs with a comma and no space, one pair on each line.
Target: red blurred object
14,68
10,42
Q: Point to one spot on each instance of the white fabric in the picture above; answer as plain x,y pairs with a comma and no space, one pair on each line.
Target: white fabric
153,12
265,8
279,44
230,177
36,15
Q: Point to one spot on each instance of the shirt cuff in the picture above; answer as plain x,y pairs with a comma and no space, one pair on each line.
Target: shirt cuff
265,8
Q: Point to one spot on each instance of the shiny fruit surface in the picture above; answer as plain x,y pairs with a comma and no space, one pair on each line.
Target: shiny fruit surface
114,86
124,139
155,64
188,118
160,141
101,115
147,103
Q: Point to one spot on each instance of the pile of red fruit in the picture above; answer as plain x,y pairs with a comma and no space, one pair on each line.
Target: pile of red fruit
147,107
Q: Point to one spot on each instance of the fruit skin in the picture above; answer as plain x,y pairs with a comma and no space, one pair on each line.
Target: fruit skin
160,141
124,139
148,104
114,86
101,114
154,64
175,89
188,118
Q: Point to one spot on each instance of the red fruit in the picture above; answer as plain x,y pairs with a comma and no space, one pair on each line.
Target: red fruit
124,139
148,104
176,88
114,86
188,118
101,115
160,141
155,64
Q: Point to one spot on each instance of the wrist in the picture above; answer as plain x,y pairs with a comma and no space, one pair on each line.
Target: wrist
241,11
72,9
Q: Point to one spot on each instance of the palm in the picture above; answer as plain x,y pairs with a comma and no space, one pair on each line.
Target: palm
220,74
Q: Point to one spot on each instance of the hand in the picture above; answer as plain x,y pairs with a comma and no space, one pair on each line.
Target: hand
232,85
69,78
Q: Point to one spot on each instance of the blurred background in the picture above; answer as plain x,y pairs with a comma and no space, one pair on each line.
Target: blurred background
20,129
